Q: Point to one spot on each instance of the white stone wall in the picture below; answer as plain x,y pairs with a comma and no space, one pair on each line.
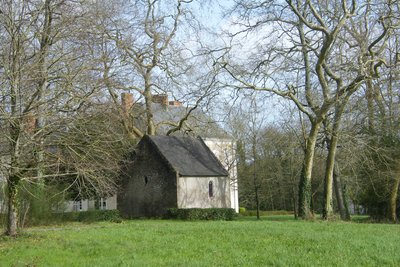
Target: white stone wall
111,203
79,205
225,151
89,204
193,192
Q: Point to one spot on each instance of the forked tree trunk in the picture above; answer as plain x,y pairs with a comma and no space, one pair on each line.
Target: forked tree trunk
327,211
305,192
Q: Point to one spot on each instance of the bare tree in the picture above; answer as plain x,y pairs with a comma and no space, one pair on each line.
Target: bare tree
46,82
18,20
143,50
305,39
379,161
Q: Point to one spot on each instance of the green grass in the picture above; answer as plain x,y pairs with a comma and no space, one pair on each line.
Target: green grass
245,242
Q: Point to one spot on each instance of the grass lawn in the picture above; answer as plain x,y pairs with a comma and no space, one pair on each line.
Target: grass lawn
245,242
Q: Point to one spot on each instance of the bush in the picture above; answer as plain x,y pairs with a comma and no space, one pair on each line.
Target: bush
81,216
36,204
242,210
88,216
95,216
225,214
265,213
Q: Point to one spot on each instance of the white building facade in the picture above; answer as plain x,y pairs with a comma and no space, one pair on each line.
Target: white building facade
225,151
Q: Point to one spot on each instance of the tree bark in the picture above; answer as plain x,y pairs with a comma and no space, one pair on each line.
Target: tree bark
305,192
45,43
15,126
255,180
392,214
370,106
327,211
148,102
295,214
13,177
340,194
12,218
257,202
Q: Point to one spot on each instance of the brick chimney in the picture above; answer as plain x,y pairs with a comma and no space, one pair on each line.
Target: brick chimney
126,102
161,99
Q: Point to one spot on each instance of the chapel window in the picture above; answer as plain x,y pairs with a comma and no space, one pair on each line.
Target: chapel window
210,189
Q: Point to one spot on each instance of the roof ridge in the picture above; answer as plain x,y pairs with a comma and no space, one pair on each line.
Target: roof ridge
188,156
159,152
212,154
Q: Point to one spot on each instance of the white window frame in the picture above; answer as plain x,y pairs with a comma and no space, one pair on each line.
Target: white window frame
103,203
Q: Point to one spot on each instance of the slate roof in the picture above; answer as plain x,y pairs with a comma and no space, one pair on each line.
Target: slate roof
188,156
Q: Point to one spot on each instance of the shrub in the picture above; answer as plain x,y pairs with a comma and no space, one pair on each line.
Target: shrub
89,216
81,216
225,214
98,215
36,204
265,213
242,210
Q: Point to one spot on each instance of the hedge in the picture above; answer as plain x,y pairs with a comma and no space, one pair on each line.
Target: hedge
225,214
92,216
265,213
76,216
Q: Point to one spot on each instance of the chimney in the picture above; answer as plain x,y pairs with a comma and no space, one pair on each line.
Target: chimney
126,102
161,99
175,103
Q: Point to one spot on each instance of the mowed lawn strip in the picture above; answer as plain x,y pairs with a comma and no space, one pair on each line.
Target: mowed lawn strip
205,243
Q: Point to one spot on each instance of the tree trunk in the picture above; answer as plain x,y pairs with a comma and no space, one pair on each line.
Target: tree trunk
255,179
12,218
370,106
327,211
294,199
294,207
305,179
340,194
45,43
392,215
257,202
13,178
148,102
